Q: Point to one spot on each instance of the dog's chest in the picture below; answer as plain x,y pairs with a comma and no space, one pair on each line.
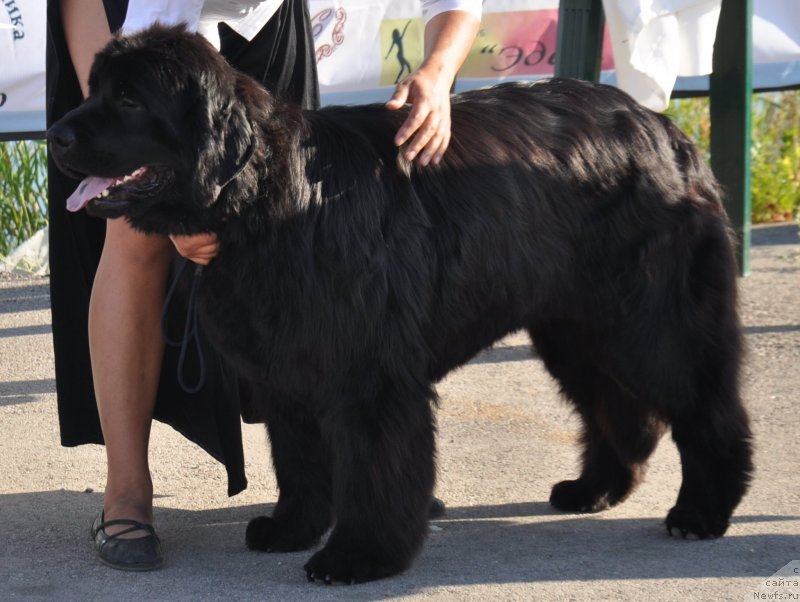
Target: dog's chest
265,330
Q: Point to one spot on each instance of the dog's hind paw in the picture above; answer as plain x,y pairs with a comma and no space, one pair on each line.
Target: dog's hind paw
265,534
686,521
331,565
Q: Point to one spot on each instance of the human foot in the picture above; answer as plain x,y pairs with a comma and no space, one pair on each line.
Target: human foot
126,544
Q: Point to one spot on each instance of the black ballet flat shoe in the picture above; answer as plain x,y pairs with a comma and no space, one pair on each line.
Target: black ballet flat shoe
135,554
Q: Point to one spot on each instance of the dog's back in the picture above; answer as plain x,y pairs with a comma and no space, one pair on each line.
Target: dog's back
547,191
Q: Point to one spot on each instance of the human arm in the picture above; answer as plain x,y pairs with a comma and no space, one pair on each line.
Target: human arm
86,32
448,37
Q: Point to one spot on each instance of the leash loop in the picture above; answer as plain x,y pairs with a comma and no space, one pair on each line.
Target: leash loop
190,328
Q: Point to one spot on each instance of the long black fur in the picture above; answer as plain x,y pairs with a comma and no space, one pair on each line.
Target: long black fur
349,281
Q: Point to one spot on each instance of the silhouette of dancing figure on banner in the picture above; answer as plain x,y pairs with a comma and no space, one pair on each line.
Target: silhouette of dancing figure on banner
397,40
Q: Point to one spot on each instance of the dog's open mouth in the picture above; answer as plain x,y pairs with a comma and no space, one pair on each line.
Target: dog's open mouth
143,181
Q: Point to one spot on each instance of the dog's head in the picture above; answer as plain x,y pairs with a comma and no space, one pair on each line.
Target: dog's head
161,133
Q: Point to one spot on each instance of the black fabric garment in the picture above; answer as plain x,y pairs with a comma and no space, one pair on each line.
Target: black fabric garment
282,57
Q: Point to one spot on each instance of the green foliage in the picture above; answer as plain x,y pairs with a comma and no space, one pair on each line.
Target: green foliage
775,153
776,157
692,116
23,192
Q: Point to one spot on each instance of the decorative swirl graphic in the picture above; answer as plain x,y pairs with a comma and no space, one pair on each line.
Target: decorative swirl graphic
318,23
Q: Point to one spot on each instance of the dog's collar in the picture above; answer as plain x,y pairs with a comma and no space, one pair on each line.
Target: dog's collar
248,154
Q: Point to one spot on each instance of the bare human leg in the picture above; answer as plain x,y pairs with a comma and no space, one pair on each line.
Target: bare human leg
126,351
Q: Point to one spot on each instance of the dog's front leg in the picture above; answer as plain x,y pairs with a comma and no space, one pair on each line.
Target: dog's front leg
383,453
304,511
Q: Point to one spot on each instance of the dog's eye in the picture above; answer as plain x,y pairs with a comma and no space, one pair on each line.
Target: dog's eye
129,103
126,102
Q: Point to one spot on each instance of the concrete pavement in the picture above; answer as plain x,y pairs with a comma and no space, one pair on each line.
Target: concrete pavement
504,438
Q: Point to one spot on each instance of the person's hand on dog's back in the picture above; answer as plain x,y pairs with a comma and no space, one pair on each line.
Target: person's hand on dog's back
448,38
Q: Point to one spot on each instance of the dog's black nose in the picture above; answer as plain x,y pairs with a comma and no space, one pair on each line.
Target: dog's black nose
61,136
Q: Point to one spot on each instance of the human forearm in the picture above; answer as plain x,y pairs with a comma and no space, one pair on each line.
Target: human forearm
448,39
86,31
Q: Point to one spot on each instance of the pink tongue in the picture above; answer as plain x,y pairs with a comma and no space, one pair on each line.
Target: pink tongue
87,190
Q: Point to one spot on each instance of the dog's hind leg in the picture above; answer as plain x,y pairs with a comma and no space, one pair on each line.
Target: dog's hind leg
383,451
619,431
304,511
616,449
710,425
716,465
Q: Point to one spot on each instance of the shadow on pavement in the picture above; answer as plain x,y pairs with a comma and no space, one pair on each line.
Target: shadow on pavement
502,544
31,295
25,391
783,234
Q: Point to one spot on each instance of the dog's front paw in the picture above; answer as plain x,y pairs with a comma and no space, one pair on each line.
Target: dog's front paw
577,496
266,534
334,565
686,520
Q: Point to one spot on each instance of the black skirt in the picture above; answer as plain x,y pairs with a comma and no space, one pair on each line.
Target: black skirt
281,56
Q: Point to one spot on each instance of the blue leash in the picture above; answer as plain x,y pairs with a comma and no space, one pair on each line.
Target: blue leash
189,330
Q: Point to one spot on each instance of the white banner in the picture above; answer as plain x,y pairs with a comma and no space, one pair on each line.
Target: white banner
364,46
776,48
23,33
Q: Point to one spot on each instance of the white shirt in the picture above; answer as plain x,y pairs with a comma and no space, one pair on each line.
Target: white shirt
246,17
655,41
431,8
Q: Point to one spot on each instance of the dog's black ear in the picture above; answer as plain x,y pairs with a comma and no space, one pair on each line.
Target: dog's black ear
225,141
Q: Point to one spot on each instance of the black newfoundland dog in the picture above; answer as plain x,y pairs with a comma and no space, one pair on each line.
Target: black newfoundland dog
349,280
